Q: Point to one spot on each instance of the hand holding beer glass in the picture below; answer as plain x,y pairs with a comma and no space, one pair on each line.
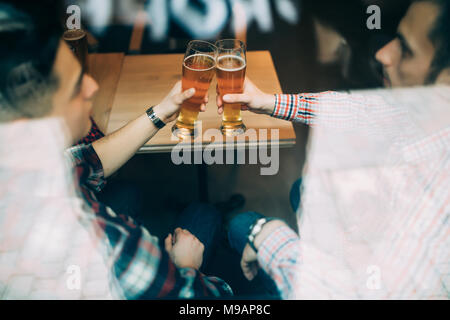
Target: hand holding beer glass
231,67
198,70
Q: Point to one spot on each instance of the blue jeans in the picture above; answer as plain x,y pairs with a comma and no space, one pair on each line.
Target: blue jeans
294,195
205,222
238,229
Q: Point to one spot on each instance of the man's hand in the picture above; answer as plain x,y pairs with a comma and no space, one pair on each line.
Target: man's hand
249,261
169,108
185,250
252,99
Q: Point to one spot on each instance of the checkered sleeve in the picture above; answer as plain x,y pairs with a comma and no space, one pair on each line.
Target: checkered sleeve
142,269
278,255
296,107
333,109
92,176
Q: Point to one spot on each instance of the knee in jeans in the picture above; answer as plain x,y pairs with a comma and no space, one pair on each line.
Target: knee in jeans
245,217
243,221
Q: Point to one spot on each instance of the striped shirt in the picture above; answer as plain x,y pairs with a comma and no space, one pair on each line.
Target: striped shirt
375,199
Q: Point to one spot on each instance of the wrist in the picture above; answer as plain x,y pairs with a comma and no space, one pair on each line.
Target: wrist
160,113
269,103
267,229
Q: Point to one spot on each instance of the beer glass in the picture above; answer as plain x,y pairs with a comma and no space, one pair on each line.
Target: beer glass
77,41
198,70
231,65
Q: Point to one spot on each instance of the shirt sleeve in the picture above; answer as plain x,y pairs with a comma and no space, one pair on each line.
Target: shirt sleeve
142,269
88,166
278,255
334,109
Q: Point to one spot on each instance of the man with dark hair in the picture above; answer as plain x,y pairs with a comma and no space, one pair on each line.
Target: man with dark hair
27,66
419,55
420,52
440,37
56,239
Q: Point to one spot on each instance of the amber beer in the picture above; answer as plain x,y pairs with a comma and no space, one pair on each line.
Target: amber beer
231,67
230,78
198,71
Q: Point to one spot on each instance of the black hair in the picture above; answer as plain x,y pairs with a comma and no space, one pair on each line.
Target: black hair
440,37
30,33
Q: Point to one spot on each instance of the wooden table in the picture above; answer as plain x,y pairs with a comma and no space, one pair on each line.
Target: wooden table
105,68
146,79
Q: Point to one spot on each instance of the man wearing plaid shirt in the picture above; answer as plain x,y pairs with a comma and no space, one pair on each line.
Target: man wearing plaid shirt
374,209
56,239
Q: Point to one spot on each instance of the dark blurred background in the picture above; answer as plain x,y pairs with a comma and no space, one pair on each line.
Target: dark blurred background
315,44
327,40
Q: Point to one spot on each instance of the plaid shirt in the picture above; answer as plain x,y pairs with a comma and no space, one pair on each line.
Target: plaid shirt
375,202
93,135
58,242
140,266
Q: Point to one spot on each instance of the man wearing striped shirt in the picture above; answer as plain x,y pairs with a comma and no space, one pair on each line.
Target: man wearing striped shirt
374,209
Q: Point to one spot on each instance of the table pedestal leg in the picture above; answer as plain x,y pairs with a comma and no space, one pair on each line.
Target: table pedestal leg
202,172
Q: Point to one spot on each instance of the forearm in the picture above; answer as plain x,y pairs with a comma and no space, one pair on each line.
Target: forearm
278,251
182,283
143,269
327,109
118,147
174,282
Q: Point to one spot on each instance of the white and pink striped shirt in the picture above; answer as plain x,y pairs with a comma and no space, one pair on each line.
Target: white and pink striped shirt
375,197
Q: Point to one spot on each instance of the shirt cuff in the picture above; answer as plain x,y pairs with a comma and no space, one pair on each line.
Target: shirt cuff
273,247
285,107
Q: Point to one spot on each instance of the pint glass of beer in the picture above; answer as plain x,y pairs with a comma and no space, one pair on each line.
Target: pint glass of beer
77,41
198,70
231,65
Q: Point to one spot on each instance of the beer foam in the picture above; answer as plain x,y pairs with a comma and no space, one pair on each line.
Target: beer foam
202,55
73,35
233,57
